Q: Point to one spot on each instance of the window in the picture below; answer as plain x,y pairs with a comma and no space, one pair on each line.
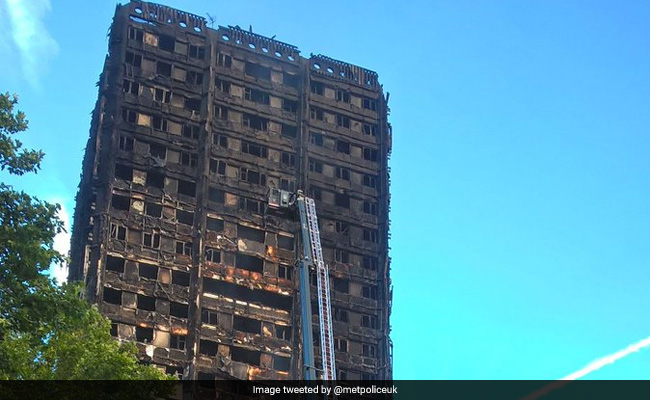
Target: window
370,181
197,52
162,95
370,129
125,143
289,105
343,121
131,87
370,263
209,316
256,96
369,321
343,95
151,240
343,173
189,159
166,43
369,154
115,264
155,179
285,272
207,347
289,130
159,123
315,166
224,60
315,193
369,292
220,140
193,104
342,200
369,104
254,206
371,235
213,224
180,278
153,210
133,59
123,172
343,228
221,113
146,303
212,255
316,138
257,71
245,232
217,167
290,79
121,202
249,263
244,324
221,85
135,34
148,271
370,208
255,122
187,188
216,195
254,149
341,285
118,232
184,248
252,177
194,78
369,350
340,314
185,217
288,184
157,151
317,114
285,242
341,345
163,68
112,296
341,256
177,342
129,116
317,87
144,335
283,332
288,159
191,131
178,310
342,146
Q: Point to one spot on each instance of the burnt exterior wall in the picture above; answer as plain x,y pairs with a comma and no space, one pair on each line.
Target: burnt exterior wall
171,235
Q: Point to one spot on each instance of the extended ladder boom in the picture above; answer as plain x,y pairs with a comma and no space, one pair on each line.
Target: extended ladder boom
312,249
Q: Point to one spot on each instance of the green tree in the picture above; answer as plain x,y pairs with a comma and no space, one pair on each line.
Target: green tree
46,331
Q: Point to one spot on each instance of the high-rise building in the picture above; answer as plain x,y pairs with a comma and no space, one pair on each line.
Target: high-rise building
192,126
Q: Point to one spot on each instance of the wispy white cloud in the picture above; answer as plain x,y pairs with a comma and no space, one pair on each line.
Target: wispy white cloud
62,245
32,40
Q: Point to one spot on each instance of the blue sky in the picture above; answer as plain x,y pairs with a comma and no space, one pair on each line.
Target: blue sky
520,216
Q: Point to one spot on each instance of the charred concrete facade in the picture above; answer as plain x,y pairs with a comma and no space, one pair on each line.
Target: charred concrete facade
192,126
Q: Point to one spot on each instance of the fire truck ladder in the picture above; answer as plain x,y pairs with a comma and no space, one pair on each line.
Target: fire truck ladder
313,254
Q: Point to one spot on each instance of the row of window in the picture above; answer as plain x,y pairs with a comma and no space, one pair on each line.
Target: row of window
342,121
343,146
167,43
162,68
162,95
152,179
344,173
342,95
340,200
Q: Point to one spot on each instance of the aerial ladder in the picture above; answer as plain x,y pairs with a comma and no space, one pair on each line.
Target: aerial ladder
310,260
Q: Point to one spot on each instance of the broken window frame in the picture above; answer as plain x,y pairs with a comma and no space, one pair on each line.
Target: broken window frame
118,232
151,240
212,255
184,248
254,149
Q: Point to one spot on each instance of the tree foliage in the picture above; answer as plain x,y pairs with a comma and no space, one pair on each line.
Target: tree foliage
46,331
